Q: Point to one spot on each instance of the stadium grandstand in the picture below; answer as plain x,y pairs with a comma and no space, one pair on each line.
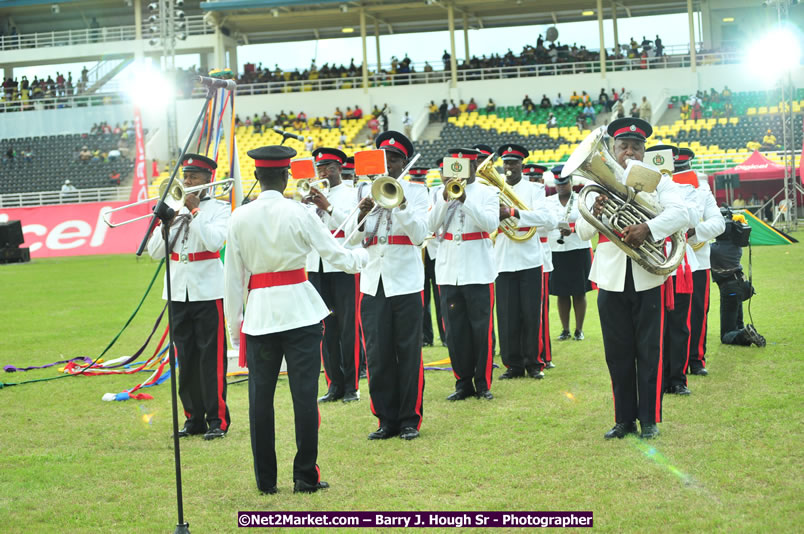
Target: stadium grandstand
53,115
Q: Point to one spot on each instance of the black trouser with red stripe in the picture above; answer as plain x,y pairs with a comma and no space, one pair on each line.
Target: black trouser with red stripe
301,348
200,339
469,319
701,284
677,340
341,354
632,323
430,286
393,330
519,305
545,347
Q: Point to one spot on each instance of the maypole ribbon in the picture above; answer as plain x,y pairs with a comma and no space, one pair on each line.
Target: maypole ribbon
109,346
12,369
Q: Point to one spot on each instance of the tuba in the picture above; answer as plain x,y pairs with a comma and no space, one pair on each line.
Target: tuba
625,206
488,175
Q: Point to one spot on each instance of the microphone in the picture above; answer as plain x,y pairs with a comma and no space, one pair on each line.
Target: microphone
287,135
215,83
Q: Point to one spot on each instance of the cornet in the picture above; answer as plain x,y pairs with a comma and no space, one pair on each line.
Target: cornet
455,189
303,188
174,199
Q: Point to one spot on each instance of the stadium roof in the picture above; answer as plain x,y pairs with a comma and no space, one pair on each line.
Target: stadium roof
266,21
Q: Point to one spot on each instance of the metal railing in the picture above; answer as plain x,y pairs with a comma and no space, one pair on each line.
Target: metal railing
45,198
489,73
382,80
195,26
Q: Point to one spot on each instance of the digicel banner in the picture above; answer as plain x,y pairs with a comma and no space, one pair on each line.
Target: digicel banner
76,229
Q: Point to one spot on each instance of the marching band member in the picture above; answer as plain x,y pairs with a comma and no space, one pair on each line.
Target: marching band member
630,298
419,175
711,225
678,291
572,259
267,248
534,173
391,308
348,171
197,234
520,281
465,272
340,290
545,343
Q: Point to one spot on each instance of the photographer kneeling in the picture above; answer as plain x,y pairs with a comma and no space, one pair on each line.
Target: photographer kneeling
734,288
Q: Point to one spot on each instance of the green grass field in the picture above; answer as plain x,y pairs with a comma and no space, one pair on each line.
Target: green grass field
728,459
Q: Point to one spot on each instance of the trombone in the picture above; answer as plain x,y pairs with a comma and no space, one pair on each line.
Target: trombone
174,199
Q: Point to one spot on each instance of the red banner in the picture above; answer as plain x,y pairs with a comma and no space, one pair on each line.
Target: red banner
76,229
139,189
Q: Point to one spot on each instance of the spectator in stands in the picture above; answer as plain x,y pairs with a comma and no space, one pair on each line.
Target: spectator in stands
68,187
308,146
407,123
85,75
446,58
558,101
114,155
462,106
11,153
94,26
618,109
257,122
738,203
443,109
433,110
374,125
574,99
472,106
753,145
527,104
358,112
114,178
728,109
634,111
27,155
551,121
248,122
238,122
580,121
589,113
769,141
685,110
453,109
545,103
658,46
491,107
767,211
85,155
754,201
645,111
726,94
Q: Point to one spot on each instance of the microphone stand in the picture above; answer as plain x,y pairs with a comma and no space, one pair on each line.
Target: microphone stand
165,214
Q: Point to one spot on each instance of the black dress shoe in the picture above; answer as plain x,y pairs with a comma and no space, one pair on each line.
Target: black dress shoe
620,430
189,431
300,486
649,431
352,396
459,395
550,365
700,371
331,396
565,335
753,336
214,433
511,372
484,395
409,433
270,491
382,433
536,373
578,336
679,389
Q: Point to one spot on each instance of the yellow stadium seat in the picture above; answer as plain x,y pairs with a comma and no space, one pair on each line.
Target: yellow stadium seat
751,111
763,110
773,109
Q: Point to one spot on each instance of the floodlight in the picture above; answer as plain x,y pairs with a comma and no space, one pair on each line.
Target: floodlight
774,54
153,6
179,14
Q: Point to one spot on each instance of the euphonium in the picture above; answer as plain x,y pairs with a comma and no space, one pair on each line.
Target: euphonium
488,175
593,160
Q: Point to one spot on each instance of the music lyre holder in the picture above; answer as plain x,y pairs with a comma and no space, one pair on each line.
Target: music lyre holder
165,214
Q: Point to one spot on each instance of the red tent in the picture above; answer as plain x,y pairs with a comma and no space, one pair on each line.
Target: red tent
758,175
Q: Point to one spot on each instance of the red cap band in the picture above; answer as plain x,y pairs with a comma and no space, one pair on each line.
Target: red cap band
470,157
272,162
484,152
349,166
393,144
514,152
683,157
197,163
628,129
328,157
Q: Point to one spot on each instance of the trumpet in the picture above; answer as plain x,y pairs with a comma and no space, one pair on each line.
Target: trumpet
455,189
303,188
174,199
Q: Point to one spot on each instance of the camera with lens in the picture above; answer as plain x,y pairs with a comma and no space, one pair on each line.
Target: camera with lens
738,232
